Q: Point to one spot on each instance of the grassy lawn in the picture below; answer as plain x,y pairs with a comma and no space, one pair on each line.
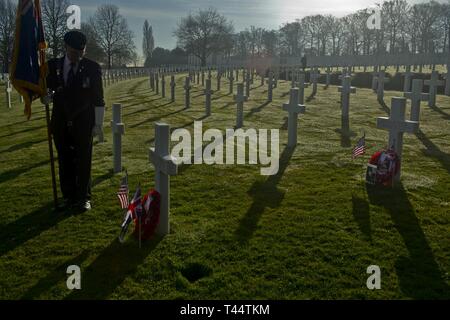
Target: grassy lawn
309,232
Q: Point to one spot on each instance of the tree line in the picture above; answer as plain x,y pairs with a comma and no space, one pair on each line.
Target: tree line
405,28
417,28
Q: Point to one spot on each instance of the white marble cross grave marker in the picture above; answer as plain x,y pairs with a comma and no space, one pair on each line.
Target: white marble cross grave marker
270,87
380,88
294,109
165,166
408,76
346,89
447,82
172,88
301,88
163,86
8,91
118,130
208,92
433,84
416,97
187,92
397,126
231,84
240,99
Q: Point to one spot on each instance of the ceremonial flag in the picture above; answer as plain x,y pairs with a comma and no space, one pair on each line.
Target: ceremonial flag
29,67
360,148
123,193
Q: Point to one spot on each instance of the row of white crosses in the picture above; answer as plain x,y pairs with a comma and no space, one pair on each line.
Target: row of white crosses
8,92
165,164
114,76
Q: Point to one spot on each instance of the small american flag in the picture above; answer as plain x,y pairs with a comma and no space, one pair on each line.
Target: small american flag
123,193
360,148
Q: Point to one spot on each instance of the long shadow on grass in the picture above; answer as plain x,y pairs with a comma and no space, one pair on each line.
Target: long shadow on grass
445,115
55,277
311,98
156,118
34,129
112,267
346,134
384,107
361,214
265,195
14,173
257,109
106,176
24,122
228,105
419,275
29,226
219,97
433,151
21,146
172,129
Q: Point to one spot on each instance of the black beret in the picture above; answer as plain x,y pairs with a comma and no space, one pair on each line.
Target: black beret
75,39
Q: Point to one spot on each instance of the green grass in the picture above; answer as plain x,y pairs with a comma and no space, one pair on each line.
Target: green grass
309,232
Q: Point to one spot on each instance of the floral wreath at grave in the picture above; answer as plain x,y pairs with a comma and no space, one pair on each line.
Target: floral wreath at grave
150,216
383,167
145,215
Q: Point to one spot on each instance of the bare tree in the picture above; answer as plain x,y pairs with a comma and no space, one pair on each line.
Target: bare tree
204,34
113,35
93,49
148,44
428,14
241,48
270,43
291,38
7,28
54,18
394,14
336,35
445,26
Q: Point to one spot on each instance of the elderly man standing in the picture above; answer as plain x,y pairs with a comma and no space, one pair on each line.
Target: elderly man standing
75,85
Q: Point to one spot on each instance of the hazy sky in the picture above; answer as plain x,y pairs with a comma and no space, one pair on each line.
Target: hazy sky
163,15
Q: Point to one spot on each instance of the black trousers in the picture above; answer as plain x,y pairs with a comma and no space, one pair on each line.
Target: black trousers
74,142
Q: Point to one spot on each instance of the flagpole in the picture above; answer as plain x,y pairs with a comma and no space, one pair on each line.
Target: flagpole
42,48
52,158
